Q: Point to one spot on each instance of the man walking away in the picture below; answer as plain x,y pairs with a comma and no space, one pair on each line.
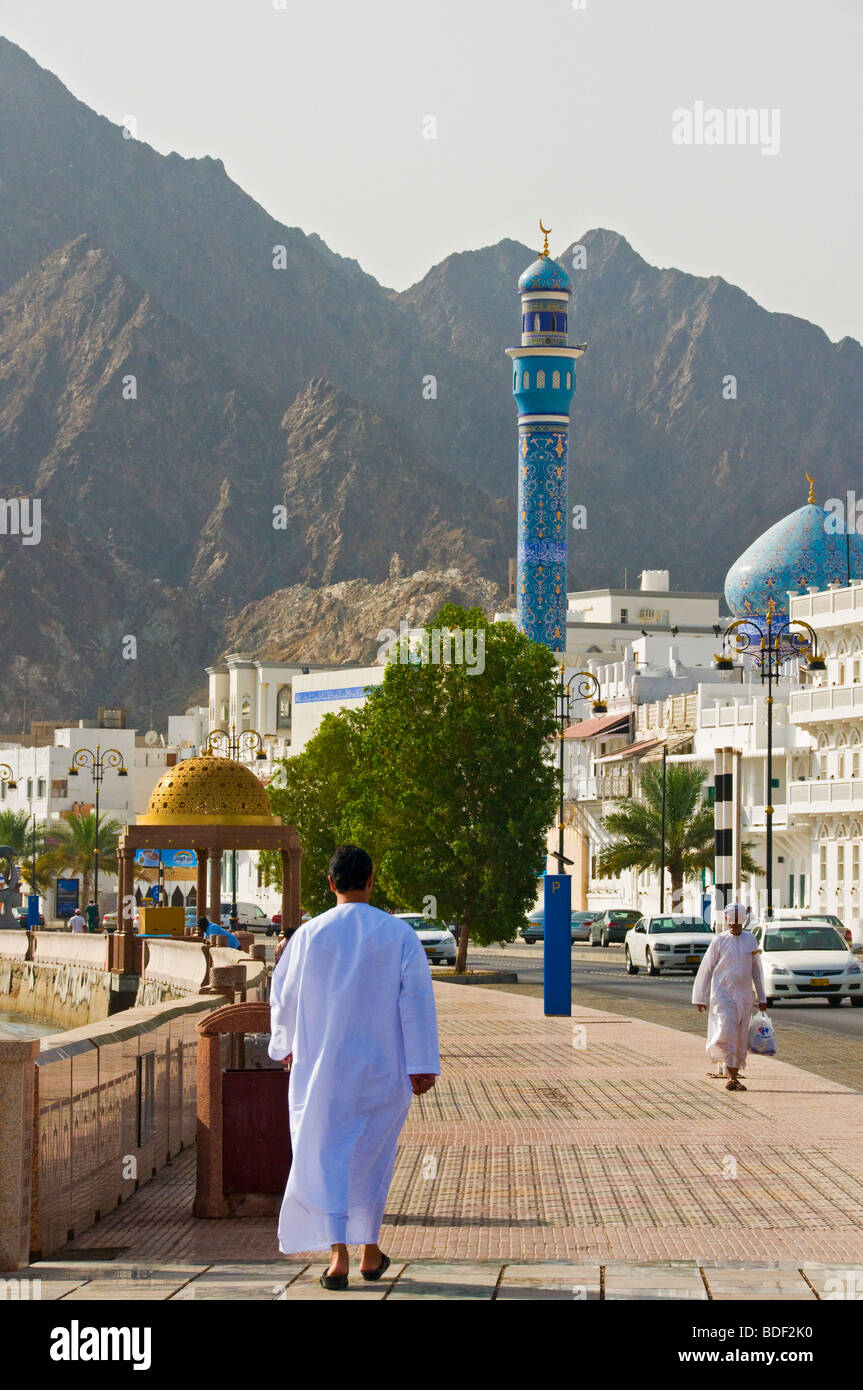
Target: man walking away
729,969
352,1010
76,921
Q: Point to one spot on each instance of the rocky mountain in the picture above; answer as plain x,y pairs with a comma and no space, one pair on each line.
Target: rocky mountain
343,622
229,425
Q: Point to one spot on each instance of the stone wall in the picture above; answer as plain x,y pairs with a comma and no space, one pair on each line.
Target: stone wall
66,980
114,1102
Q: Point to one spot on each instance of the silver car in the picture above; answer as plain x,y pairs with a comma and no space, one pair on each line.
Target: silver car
438,942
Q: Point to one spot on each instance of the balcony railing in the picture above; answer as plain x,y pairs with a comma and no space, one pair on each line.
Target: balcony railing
817,794
826,702
839,603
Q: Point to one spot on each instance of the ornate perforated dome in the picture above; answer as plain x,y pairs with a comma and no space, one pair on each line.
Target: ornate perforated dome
801,549
206,790
544,274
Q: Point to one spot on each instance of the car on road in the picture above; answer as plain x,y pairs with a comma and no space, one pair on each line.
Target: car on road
666,942
579,925
437,941
613,924
805,961
250,916
276,923
21,916
109,921
802,914
534,927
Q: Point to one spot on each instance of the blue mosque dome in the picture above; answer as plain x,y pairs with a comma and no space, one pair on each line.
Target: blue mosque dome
544,274
802,549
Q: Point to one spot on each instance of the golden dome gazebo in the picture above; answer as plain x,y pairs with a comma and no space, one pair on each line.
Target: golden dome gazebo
211,804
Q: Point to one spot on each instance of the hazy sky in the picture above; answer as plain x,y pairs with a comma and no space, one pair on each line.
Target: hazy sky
542,107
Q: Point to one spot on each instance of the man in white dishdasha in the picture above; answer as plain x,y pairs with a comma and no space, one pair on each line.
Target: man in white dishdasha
352,1011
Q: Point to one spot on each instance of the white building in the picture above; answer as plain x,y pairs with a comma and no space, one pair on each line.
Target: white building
826,790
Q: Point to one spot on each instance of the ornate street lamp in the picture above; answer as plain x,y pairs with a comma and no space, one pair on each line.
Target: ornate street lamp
770,645
7,776
97,762
582,685
233,745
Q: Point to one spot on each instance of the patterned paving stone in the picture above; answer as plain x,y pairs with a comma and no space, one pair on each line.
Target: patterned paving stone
463,1281
672,1280
726,1283
617,1151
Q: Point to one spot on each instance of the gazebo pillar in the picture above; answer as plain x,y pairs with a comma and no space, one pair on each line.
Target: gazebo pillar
286,893
295,856
215,907
290,890
202,856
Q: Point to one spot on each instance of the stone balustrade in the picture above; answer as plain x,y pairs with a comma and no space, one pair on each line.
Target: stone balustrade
113,1101
69,948
14,945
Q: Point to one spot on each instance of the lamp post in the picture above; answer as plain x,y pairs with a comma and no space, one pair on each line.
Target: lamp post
234,745
7,776
587,686
97,762
662,850
771,644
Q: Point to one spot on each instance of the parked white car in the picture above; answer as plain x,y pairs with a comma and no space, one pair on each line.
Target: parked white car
814,917
250,916
438,943
666,942
804,961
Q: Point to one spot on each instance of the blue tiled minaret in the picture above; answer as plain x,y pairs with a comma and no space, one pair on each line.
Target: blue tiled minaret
543,383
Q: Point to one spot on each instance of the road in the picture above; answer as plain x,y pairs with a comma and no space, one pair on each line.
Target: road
811,1035
602,970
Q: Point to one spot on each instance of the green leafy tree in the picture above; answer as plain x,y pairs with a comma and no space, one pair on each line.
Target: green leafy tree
16,831
635,828
457,792
315,791
71,845
443,776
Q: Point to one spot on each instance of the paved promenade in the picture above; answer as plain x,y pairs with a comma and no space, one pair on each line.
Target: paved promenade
555,1158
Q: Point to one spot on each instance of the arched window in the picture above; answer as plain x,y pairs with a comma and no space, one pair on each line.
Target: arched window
536,323
283,708
569,381
224,714
540,380
555,380
515,381
525,381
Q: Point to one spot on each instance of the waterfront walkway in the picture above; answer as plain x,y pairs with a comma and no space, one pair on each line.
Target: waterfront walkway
556,1158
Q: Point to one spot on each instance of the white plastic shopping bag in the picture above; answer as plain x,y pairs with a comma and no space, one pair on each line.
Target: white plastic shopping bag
762,1037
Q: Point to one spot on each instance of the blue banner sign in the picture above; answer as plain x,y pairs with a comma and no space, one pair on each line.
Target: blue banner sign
170,858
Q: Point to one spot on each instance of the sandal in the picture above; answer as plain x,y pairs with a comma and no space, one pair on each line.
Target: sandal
734,1086
372,1274
333,1281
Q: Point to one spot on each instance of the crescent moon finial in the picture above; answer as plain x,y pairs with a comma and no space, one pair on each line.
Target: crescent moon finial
811,482
545,231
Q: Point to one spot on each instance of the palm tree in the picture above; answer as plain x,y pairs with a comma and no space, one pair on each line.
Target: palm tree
71,844
16,833
636,829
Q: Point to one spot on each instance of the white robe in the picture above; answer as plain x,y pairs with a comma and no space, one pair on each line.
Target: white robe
729,969
352,999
